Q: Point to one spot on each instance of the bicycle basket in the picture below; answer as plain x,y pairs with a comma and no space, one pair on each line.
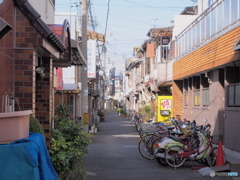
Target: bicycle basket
187,130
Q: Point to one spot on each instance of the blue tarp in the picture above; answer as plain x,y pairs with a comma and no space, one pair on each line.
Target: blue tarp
26,159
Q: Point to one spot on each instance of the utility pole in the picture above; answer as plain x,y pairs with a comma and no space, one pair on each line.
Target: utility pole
84,108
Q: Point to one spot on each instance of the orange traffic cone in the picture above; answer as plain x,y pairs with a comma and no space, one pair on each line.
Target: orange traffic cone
220,155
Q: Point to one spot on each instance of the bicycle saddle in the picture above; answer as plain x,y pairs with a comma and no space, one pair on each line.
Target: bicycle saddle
179,139
170,128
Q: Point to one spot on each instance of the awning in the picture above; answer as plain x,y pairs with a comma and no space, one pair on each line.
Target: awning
62,31
77,55
164,84
71,88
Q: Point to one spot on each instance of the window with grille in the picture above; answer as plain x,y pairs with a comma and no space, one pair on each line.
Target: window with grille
186,98
234,95
196,100
205,97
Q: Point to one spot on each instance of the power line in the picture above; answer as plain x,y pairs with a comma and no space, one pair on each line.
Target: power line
156,7
125,27
131,19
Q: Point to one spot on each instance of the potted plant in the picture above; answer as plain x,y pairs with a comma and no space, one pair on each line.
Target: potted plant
147,112
101,115
124,113
14,125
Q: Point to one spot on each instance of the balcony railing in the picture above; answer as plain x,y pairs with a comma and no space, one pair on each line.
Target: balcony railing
216,20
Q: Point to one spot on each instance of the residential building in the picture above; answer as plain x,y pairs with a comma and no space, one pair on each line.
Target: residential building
32,52
206,71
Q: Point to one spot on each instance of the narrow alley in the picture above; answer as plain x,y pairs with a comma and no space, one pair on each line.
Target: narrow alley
114,155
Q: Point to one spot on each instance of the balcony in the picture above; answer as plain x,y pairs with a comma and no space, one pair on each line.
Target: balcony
218,19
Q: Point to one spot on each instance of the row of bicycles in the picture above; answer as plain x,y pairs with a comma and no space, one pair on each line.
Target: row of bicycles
175,142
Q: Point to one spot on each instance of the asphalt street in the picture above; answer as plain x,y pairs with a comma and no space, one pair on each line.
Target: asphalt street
114,155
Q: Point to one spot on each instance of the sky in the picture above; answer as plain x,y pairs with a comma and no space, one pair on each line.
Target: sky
126,22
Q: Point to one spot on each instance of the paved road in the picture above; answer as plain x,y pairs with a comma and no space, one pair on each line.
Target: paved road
114,155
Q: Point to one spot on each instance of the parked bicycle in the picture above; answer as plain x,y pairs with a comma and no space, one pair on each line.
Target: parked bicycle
196,146
146,144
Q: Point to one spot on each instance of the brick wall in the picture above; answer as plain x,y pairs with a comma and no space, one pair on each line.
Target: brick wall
24,78
177,98
32,91
44,98
6,52
25,63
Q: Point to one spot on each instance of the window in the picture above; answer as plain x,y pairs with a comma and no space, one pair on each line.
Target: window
219,18
205,97
234,11
234,95
185,92
196,91
202,22
205,78
196,94
213,21
186,98
210,2
208,25
226,13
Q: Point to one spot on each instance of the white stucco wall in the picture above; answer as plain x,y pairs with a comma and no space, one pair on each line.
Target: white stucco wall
181,22
45,8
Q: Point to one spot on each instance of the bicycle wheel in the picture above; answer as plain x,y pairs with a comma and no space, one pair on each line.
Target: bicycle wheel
161,161
155,143
173,158
145,146
133,123
212,157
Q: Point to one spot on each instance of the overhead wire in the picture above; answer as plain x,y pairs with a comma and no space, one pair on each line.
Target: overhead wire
156,7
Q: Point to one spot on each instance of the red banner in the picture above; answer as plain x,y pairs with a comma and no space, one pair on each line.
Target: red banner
59,73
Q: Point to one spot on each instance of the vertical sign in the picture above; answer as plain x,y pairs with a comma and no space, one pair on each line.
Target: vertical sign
59,74
91,58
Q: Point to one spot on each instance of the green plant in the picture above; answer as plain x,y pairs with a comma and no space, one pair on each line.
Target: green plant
123,112
147,111
35,126
63,111
68,146
101,113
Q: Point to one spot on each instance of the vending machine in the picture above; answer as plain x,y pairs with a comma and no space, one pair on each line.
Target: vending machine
164,108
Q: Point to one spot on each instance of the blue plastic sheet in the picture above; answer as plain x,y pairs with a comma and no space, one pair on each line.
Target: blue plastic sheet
26,159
